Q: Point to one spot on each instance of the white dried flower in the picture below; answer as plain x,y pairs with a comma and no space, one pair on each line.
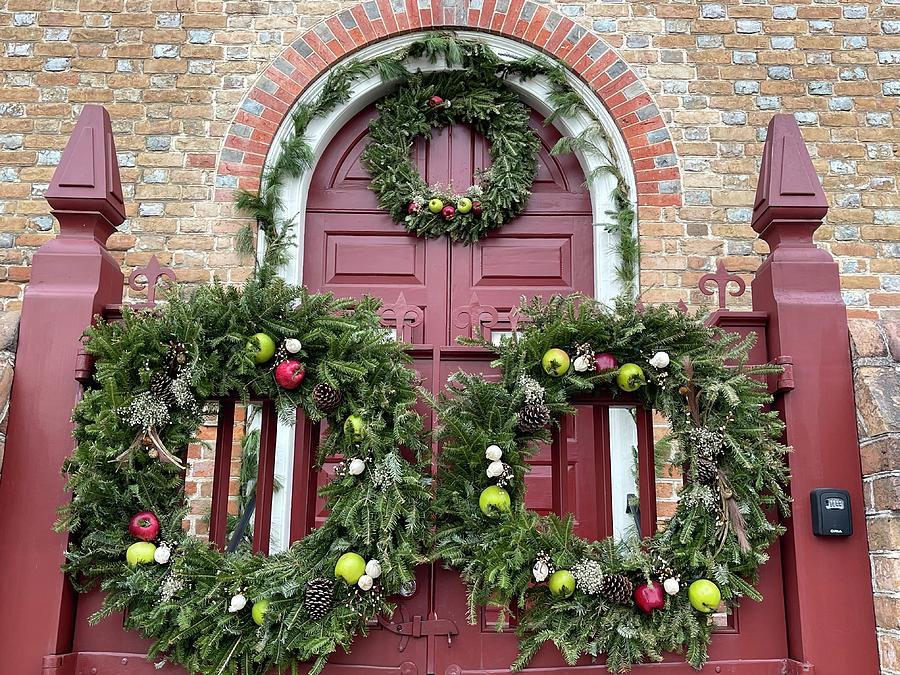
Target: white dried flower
531,389
238,602
671,586
588,576
365,582
495,469
493,453
170,586
660,360
356,467
373,569
293,345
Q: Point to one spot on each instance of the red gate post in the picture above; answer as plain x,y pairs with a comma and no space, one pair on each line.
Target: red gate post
73,278
828,588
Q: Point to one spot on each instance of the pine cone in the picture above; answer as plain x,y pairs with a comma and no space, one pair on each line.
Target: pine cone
533,417
161,388
326,397
319,597
707,471
617,588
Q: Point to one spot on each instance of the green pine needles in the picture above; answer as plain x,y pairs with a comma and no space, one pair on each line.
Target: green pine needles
153,371
476,86
724,440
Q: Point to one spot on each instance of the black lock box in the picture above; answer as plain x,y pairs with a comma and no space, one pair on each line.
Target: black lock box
831,512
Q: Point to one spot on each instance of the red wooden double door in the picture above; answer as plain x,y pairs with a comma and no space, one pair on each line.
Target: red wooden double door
440,291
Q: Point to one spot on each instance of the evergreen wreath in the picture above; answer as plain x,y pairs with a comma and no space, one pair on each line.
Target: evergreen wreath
425,102
218,613
483,65
631,600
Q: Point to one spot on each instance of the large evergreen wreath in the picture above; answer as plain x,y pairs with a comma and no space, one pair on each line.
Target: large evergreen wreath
218,613
631,600
427,101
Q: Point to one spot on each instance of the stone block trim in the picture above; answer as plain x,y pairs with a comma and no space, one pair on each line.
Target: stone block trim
630,104
876,370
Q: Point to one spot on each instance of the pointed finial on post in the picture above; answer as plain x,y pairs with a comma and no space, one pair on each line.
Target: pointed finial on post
788,192
86,182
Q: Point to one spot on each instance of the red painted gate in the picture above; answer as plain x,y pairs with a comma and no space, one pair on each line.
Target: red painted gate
435,291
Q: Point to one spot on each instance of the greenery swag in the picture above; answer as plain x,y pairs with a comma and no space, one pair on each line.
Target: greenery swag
725,442
481,67
426,101
154,370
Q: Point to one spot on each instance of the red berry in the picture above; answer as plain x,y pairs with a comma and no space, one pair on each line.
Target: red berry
448,212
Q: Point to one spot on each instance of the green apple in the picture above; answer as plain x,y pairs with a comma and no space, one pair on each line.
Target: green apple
464,205
355,428
262,347
350,567
630,377
562,583
555,362
140,553
494,501
435,205
258,612
704,596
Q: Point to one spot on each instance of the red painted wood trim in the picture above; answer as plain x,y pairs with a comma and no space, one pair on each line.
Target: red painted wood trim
218,519
265,477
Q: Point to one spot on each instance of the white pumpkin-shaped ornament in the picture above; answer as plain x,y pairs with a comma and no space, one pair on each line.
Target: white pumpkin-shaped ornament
373,569
660,360
541,570
495,469
238,602
582,363
493,453
162,554
671,586
356,467
365,582
293,345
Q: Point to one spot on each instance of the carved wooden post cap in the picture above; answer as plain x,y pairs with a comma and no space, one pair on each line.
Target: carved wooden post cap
788,187
87,178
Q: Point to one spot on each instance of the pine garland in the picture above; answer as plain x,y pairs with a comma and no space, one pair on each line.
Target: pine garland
481,64
720,532
187,601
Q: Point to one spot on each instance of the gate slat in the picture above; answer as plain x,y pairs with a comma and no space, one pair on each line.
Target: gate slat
603,468
218,519
559,467
265,477
303,496
646,471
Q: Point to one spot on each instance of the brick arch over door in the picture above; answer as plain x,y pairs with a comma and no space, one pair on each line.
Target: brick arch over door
629,103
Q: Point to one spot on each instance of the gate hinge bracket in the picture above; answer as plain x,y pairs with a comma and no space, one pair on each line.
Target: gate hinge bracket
784,381
419,627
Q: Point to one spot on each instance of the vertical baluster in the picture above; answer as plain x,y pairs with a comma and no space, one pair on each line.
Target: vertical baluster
265,477
303,498
646,471
559,466
603,468
218,519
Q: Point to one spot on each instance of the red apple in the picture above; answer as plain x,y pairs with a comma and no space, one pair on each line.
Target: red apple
604,362
144,525
448,212
289,374
412,208
649,597
435,101
476,208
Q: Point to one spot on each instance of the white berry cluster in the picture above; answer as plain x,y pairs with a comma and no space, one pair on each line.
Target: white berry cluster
588,576
531,389
145,411
707,442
